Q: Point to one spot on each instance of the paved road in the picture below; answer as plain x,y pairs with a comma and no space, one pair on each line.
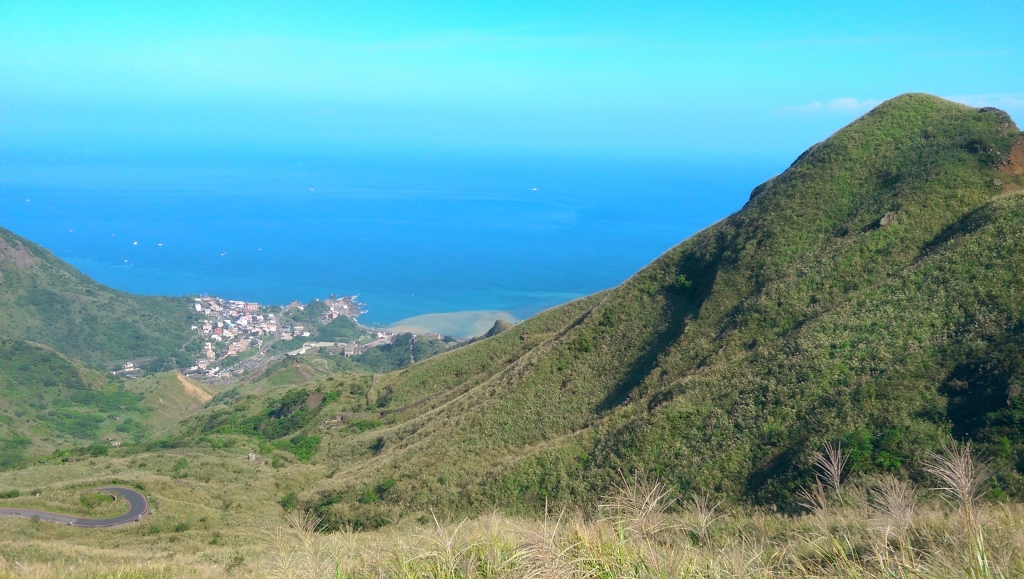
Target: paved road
137,506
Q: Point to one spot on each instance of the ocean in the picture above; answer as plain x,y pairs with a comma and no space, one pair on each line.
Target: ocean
411,234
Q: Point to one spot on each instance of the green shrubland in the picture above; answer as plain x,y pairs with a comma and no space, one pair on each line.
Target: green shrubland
340,329
45,300
404,349
49,402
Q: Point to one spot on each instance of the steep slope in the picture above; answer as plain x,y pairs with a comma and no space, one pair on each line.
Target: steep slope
45,300
872,294
50,402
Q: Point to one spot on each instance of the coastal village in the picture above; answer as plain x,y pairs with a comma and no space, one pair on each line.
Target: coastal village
235,328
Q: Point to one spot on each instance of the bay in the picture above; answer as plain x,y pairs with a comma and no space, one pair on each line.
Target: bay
410,234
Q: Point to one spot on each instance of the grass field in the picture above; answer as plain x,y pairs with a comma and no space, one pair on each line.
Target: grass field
171,397
209,508
884,528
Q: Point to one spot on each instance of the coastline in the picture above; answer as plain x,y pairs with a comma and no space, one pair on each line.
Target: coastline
461,324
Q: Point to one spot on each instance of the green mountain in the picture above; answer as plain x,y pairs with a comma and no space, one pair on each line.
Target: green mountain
340,329
45,300
405,349
871,294
49,402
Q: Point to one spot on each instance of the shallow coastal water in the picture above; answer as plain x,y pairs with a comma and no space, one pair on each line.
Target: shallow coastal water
411,236
465,324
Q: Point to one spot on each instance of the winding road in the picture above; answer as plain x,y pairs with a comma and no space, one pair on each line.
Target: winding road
137,506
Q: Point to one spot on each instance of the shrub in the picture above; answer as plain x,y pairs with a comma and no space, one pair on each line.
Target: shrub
289,501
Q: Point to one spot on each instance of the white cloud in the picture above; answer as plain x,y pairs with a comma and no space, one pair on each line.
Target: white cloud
1007,102
840,105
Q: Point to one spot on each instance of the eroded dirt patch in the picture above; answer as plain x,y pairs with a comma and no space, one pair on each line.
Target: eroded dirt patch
314,400
1013,164
193,390
17,254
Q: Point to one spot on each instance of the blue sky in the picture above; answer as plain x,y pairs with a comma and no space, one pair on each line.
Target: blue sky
651,79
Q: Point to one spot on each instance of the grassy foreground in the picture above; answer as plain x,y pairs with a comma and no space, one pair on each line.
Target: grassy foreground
880,528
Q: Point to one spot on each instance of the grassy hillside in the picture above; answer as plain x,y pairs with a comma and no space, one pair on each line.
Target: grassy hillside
871,294
168,398
45,300
218,515
405,349
341,329
51,403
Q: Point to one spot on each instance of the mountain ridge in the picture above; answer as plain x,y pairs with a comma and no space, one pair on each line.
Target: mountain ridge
44,299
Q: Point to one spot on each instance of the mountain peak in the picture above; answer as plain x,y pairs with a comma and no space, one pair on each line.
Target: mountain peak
498,327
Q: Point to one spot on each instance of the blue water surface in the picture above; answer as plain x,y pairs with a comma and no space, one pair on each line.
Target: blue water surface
410,234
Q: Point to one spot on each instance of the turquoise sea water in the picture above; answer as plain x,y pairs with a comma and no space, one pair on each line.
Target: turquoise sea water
410,235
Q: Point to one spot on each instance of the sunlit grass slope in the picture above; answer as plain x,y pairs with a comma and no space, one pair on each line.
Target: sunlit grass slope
215,516
871,296
169,398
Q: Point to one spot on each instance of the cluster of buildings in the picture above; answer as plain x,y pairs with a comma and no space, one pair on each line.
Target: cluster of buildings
231,327
337,307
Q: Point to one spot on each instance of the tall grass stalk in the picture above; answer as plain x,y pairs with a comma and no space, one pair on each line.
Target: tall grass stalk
898,537
639,506
828,477
962,480
893,503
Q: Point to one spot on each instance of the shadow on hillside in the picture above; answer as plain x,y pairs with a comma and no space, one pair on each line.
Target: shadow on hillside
983,388
682,303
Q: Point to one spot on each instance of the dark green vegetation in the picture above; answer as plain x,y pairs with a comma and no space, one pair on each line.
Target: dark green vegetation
341,329
283,420
405,349
45,300
872,294
295,370
290,371
48,401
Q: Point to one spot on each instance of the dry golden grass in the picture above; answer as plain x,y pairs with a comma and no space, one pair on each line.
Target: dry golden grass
854,532
885,529
739,543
